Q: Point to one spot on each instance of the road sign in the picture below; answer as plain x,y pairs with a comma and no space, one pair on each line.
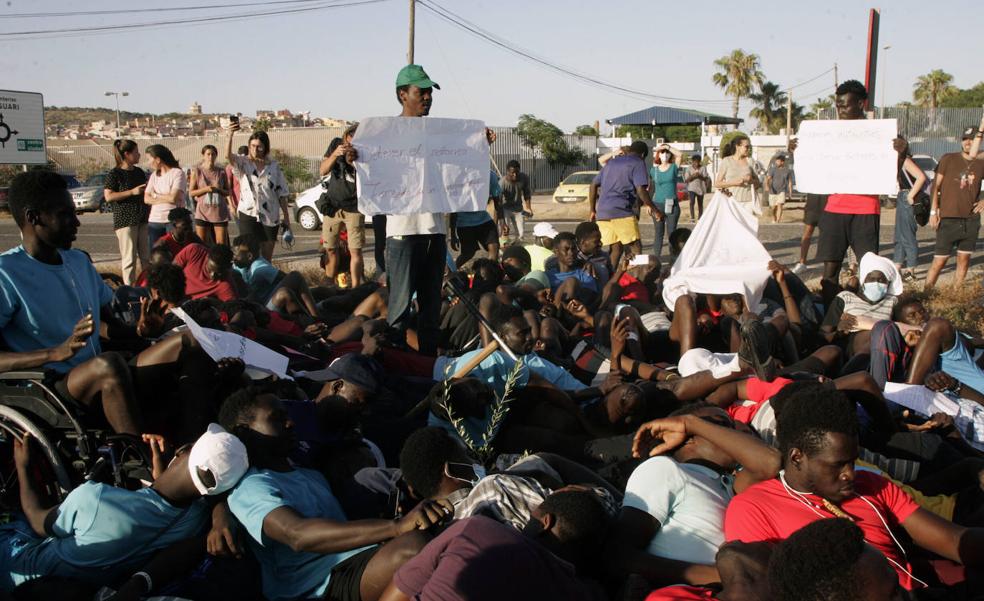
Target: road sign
22,139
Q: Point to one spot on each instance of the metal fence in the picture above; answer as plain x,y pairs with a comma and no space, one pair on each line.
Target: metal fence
311,142
929,131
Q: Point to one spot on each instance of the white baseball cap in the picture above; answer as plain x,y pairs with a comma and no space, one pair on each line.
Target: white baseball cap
223,455
544,229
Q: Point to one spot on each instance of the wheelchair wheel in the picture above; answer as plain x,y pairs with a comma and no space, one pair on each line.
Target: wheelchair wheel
50,474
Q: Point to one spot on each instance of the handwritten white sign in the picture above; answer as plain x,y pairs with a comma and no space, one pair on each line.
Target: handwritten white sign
421,165
847,157
219,345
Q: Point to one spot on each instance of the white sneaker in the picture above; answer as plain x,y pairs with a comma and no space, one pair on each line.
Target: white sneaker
798,268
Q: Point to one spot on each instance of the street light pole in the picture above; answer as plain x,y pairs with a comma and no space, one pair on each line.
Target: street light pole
117,94
881,110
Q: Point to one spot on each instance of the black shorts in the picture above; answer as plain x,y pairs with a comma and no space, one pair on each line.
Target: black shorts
838,231
957,231
203,223
478,237
346,577
250,225
815,204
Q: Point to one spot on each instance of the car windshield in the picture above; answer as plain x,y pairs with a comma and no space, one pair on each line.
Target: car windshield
576,179
71,181
96,180
925,163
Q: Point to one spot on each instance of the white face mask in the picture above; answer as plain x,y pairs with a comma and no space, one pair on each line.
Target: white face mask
875,291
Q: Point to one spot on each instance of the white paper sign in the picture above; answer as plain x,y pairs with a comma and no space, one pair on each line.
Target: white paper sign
219,345
847,157
421,165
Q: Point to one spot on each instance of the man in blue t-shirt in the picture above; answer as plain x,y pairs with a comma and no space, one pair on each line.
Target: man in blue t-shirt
613,196
100,533
567,280
297,529
52,301
287,293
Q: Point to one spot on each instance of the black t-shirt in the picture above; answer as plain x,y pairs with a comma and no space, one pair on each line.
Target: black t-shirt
131,210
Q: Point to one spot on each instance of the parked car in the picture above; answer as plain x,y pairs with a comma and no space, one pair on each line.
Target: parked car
928,164
575,187
306,210
89,197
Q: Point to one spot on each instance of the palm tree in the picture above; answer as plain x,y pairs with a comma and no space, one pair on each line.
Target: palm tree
771,109
737,74
932,89
822,104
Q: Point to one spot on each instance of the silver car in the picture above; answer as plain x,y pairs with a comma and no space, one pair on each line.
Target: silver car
90,196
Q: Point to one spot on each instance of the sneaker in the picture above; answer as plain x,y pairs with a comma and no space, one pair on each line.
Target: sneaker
798,268
755,350
908,277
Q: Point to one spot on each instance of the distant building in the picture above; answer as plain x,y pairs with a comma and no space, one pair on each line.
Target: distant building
195,109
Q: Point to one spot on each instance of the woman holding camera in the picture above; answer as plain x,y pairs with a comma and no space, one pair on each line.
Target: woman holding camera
263,191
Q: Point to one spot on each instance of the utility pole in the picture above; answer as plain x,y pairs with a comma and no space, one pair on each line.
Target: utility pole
413,6
117,94
789,116
881,108
836,82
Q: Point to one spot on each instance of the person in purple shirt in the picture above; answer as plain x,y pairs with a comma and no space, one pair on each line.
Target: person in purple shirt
480,559
612,198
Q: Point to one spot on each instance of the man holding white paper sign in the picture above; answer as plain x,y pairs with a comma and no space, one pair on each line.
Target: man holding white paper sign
415,173
833,157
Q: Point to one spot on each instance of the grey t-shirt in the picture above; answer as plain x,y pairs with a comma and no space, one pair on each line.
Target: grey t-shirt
780,179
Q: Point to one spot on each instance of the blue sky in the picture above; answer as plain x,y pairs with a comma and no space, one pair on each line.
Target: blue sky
342,62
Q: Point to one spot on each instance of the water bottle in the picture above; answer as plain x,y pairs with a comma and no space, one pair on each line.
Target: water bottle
288,238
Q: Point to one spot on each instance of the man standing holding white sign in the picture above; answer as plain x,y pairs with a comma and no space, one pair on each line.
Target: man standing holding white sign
415,237
849,219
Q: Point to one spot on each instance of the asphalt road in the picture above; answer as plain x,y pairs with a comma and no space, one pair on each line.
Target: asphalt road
782,240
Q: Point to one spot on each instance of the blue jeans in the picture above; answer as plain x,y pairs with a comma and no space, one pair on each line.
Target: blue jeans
906,248
415,264
156,231
666,227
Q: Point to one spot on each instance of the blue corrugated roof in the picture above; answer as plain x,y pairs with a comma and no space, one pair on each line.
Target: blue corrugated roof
668,115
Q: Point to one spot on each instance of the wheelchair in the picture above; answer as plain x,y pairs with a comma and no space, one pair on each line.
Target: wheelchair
70,450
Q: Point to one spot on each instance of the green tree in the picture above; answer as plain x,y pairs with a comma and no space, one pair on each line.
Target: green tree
737,74
932,89
969,98
822,104
262,124
549,139
770,107
585,130
296,169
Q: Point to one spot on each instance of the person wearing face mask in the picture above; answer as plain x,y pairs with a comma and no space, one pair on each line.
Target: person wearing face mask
848,313
672,519
665,173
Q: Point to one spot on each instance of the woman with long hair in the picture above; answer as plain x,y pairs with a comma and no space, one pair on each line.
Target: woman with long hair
165,189
736,175
208,187
665,174
263,191
124,191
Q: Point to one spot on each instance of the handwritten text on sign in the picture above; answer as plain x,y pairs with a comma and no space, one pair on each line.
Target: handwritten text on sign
847,157
421,165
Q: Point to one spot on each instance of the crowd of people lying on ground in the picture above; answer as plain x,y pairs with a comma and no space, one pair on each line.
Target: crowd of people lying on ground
573,438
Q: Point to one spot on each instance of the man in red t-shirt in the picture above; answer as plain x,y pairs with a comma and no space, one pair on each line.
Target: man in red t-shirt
818,438
182,231
207,271
848,220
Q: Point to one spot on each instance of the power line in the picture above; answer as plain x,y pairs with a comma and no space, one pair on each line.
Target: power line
68,32
793,87
515,49
88,13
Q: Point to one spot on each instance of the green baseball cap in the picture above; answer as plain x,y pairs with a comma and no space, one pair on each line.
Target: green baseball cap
414,75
